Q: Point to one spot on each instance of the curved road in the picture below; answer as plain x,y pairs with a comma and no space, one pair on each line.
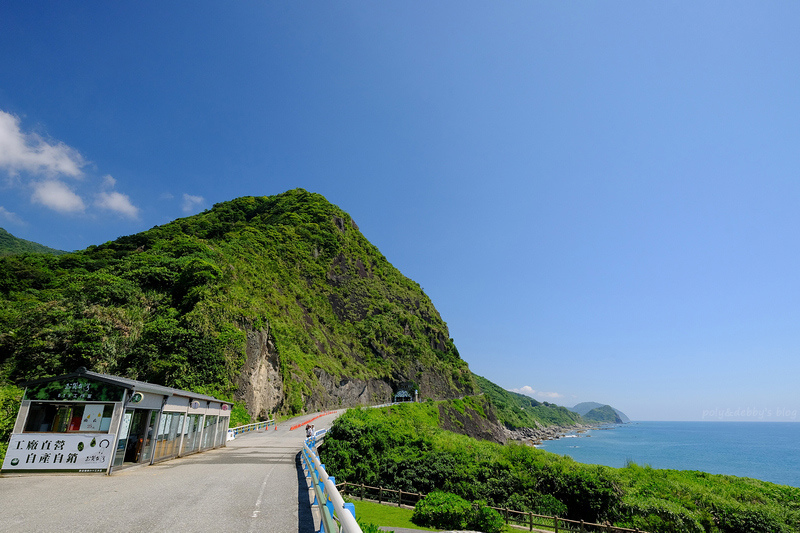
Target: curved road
254,484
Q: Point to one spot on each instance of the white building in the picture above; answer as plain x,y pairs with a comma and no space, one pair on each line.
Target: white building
90,422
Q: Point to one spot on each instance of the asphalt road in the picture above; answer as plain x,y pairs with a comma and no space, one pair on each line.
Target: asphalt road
254,484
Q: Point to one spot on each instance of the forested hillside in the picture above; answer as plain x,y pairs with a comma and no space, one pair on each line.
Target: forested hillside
10,244
279,302
516,410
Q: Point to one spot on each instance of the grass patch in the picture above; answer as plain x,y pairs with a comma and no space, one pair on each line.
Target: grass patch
383,515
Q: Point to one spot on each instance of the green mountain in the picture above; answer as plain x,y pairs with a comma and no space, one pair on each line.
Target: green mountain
516,410
584,408
278,302
603,415
14,245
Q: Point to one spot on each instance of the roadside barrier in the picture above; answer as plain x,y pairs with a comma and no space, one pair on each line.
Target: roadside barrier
335,515
257,426
311,420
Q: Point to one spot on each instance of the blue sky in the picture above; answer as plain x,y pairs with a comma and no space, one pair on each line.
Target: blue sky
601,198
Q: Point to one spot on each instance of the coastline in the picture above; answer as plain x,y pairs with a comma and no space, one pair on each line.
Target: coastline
766,451
536,436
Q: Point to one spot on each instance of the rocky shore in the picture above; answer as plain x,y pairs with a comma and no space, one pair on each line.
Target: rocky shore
535,436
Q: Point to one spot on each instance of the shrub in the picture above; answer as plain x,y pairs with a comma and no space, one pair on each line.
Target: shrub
10,397
370,528
485,519
443,510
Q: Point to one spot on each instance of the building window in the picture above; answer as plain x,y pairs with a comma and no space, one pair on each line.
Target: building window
46,417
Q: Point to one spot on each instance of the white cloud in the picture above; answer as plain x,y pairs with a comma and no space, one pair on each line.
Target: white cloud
10,217
41,165
28,152
190,203
55,195
530,391
118,202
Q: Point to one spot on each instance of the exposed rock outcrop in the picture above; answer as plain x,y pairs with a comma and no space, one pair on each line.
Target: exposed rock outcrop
260,385
471,423
346,392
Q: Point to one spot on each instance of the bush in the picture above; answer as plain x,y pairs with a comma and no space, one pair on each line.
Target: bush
486,519
10,397
442,510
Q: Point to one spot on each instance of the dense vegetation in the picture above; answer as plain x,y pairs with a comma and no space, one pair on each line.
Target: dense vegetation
10,397
13,245
174,305
404,448
519,411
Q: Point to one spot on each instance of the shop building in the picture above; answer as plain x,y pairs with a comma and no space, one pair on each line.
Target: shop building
90,422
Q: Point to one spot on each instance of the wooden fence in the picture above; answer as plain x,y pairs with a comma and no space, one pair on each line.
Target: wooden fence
514,518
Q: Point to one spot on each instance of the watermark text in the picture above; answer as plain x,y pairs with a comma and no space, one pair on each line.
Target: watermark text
750,413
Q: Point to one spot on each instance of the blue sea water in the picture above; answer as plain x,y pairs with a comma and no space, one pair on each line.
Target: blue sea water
769,451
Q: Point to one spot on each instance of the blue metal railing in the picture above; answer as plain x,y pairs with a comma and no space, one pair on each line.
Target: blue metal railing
335,515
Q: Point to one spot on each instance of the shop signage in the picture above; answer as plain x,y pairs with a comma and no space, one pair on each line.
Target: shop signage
58,452
77,389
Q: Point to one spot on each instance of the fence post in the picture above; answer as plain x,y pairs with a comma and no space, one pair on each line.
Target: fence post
362,492
399,498
530,520
555,523
506,515
582,528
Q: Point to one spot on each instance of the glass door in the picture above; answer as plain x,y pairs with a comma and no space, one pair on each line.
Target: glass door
147,444
122,442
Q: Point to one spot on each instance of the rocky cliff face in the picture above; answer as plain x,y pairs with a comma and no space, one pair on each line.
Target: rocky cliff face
347,392
468,421
260,385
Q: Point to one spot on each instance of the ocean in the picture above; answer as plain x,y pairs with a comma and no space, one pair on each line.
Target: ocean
769,451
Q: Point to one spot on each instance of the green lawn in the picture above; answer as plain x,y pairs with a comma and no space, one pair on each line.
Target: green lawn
385,515
388,516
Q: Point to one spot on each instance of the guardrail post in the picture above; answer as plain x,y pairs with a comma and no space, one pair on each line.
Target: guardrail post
329,501
351,507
